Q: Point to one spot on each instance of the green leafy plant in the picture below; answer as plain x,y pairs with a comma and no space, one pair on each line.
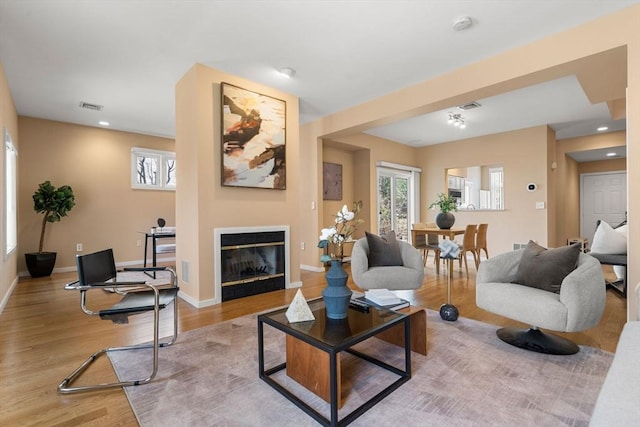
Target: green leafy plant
445,203
54,203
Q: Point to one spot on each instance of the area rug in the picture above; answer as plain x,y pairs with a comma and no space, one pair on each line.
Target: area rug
469,378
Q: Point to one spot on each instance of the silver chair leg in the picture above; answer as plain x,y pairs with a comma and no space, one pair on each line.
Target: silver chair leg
65,386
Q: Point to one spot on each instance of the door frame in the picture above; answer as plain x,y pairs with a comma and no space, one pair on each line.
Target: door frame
582,195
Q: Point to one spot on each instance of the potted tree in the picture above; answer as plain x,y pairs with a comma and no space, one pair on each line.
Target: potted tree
54,203
445,219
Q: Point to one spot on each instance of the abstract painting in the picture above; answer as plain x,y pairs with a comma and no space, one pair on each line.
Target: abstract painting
253,139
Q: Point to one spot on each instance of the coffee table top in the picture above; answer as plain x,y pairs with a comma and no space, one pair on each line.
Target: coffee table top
334,334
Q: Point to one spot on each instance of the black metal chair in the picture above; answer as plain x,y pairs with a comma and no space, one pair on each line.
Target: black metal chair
98,271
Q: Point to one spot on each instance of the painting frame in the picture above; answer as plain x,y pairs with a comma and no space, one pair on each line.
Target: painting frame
253,139
331,181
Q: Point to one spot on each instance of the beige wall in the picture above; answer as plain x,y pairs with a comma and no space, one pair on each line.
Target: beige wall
202,203
371,150
521,153
8,120
344,158
591,47
96,163
568,172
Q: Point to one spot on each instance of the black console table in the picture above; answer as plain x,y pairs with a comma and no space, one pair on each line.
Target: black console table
153,237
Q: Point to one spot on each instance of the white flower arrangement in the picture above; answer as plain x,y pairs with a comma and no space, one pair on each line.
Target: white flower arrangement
345,224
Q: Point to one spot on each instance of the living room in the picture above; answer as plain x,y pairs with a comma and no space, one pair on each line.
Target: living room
96,162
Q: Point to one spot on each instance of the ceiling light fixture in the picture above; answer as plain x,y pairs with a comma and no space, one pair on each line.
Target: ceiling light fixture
456,120
461,23
287,72
602,128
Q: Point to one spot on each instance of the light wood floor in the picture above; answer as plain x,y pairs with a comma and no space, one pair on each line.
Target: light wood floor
44,336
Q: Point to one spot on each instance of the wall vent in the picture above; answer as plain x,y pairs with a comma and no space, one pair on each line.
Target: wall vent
517,246
89,106
469,106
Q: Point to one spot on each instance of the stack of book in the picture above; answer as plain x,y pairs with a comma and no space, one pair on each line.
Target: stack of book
385,298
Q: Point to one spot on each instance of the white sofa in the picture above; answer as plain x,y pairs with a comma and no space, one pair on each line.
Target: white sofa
618,403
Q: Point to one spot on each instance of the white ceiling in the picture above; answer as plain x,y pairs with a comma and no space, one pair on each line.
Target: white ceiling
128,56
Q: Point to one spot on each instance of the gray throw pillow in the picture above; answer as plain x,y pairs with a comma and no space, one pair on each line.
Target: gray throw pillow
383,251
546,268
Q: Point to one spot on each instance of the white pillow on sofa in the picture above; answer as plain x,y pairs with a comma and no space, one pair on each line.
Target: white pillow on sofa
606,240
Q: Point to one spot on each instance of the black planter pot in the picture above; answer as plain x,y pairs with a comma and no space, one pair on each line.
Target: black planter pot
445,221
40,264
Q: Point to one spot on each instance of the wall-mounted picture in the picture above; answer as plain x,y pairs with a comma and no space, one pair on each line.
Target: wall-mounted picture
331,181
253,139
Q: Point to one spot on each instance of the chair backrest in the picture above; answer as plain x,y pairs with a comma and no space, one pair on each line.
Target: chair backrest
96,267
420,239
432,239
469,240
481,236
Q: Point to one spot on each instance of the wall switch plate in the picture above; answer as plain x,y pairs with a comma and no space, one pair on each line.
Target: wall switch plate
302,246
539,205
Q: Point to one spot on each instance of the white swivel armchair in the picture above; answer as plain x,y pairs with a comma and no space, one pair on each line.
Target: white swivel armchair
578,305
407,276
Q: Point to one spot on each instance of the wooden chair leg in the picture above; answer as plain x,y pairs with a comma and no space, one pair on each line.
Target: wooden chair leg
466,267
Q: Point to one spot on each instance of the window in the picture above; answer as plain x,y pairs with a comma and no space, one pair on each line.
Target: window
153,169
10,193
398,198
497,188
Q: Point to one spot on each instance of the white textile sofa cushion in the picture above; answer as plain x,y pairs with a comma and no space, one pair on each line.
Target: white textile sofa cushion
618,403
607,240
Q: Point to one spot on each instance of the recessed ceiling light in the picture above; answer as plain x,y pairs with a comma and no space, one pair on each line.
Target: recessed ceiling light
612,154
287,72
103,123
602,128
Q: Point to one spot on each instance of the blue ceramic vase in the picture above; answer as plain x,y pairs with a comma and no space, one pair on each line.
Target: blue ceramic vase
336,295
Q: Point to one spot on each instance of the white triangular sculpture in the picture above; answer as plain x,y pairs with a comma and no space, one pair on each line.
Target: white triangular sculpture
299,310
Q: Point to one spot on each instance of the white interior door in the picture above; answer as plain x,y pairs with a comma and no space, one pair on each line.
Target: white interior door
603,197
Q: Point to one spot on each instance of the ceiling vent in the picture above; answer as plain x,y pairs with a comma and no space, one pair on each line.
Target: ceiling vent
469,106
88,106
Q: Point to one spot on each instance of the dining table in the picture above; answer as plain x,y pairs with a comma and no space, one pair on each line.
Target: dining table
451,233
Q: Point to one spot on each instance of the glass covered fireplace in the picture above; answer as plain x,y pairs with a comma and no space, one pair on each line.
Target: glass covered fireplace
250,262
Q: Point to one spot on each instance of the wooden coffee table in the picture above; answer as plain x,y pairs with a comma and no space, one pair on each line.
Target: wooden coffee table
313,349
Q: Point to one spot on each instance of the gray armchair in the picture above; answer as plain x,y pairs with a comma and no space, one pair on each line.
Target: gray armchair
577,307
408,276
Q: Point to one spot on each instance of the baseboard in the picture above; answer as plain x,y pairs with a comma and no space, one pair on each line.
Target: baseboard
313,268
5,300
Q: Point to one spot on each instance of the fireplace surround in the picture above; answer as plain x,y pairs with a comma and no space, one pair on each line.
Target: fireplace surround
250,260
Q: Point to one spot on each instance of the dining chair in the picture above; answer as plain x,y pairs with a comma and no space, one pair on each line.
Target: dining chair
468,245
426,243
481,240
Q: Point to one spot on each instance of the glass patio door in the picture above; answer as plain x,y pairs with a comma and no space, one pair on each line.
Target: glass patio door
394,189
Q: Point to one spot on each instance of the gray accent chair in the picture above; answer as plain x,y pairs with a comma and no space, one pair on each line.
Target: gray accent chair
577,307
408,276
